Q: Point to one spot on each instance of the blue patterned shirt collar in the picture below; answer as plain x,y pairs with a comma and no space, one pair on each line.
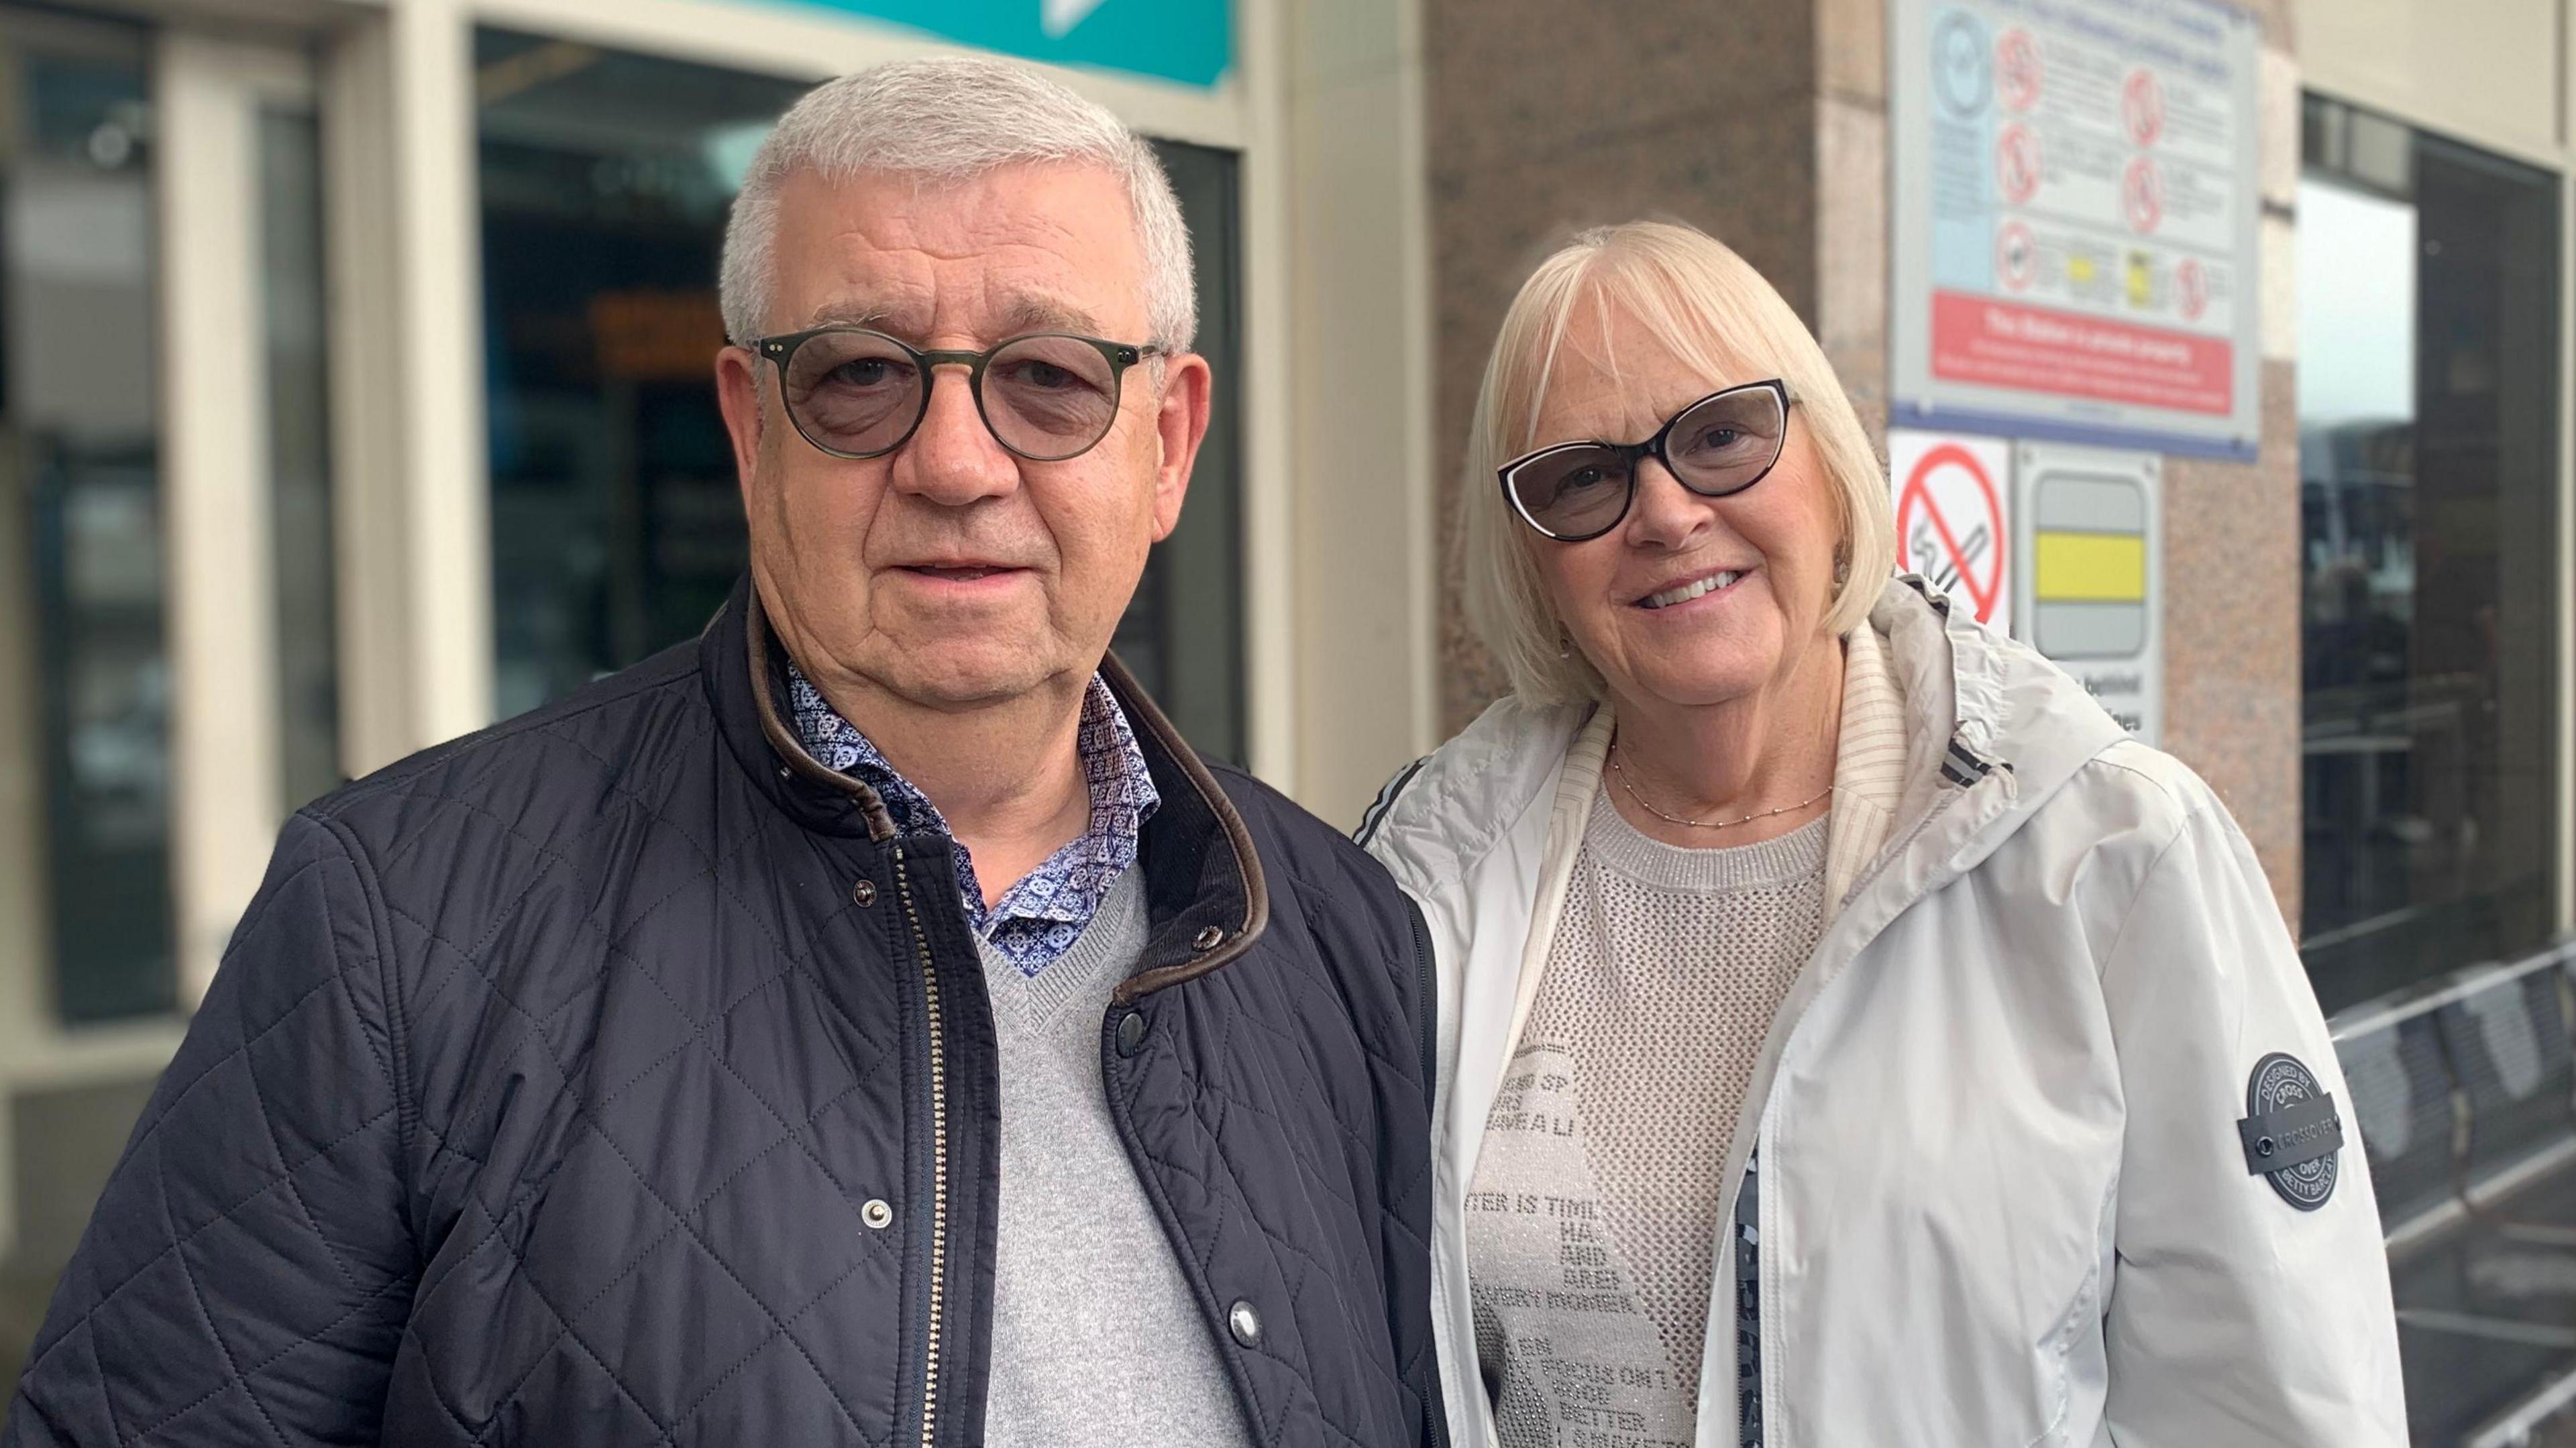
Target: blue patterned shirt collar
1039,918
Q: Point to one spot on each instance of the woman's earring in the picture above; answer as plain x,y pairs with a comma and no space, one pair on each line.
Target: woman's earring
1564,645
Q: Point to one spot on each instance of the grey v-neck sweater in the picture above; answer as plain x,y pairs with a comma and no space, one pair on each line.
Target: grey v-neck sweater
1095,1336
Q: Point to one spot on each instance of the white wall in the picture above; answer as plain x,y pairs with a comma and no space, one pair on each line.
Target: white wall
2482,70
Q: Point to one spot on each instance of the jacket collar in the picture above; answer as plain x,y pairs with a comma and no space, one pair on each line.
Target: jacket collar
1975,699
1203,875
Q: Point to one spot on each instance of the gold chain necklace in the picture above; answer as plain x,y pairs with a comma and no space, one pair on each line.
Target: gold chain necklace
1629,785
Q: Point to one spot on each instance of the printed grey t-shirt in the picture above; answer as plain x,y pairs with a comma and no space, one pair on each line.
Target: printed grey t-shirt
1592,1224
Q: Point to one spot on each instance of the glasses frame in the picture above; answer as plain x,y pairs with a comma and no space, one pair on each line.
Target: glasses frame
1120,356
1636,452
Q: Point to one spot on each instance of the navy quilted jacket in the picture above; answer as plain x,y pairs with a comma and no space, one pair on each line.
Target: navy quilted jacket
618,1076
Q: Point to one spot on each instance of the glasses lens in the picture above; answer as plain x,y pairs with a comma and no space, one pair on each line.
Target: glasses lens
1050,397
1572,492
1727,443
853,392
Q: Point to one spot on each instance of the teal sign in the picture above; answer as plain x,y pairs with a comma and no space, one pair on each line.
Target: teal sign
1190,41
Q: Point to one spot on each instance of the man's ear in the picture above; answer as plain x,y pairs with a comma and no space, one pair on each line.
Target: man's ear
1180,425
738,394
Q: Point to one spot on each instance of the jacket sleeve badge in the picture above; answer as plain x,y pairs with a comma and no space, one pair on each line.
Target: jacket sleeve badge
2291,1131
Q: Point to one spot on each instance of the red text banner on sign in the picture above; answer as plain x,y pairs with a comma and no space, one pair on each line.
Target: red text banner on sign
2001,344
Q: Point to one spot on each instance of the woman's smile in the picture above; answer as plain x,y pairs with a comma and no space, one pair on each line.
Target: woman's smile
1707,586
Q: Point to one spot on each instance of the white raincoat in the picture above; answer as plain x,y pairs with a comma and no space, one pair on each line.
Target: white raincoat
2005,1199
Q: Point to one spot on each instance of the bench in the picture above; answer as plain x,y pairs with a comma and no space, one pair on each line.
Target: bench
2464,1097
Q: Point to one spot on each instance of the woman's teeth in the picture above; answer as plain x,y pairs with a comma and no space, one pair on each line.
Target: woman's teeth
1689,591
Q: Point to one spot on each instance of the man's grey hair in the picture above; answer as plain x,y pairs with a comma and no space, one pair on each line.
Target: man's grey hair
950,119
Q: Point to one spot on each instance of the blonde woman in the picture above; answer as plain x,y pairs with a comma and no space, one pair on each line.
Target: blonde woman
1849,1035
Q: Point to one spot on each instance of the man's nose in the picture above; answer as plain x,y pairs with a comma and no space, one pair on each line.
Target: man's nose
1664,514
952,459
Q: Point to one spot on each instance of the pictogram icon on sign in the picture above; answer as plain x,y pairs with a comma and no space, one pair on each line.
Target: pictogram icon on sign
2142,107
2017,163
1959,73
2142,195
2191,281
1950,527
2016,256
2017,69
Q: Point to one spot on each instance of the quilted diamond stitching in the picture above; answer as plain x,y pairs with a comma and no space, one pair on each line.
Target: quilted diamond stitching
264,1364
219,1218
284,1014
711,871
558,856
197,1292
1268,1431
761,1347
412,1331
98,1369
795,960
540,1027
340,973
698,1035
432,785
1203,1085
1275,1240
588,1121
712,1255
545,1046
268,1123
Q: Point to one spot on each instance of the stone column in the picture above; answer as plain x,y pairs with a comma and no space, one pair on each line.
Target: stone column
1545,118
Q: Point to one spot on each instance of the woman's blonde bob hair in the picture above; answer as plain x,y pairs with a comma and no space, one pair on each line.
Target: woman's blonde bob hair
1714,313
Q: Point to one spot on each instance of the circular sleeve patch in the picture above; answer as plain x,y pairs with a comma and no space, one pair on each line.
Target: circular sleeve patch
2291,1132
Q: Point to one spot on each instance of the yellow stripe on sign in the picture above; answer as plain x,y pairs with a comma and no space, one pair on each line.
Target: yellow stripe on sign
2089,567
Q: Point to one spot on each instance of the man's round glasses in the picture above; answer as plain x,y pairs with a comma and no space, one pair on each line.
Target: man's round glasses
1722,444
855,393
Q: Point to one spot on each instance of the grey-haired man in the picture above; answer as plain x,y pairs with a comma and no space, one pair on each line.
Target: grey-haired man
867,1023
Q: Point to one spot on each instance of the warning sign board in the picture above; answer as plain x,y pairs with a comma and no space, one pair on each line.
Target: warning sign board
2091,561
2074,216
1953,496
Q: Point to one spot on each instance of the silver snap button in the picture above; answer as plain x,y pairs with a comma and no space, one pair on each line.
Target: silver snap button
1244,1323
877,1214
1131,1032
1210,938
865,892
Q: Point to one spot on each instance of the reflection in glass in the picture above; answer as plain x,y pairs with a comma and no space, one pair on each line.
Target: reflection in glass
79,446
2428,437
308,680
616,525
1183,635
616,522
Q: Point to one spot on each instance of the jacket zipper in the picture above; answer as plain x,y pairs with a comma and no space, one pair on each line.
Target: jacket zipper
1963,767
938,1157
1435,1411
1427,997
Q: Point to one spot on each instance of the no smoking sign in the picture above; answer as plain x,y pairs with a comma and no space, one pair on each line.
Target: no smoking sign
1951,526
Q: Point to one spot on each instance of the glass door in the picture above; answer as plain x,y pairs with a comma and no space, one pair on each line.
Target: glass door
167,576
82,557
2428,460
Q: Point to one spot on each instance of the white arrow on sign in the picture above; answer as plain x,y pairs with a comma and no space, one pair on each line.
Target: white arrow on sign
1058,17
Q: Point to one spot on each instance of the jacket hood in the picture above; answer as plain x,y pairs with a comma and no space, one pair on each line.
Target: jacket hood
1965,686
